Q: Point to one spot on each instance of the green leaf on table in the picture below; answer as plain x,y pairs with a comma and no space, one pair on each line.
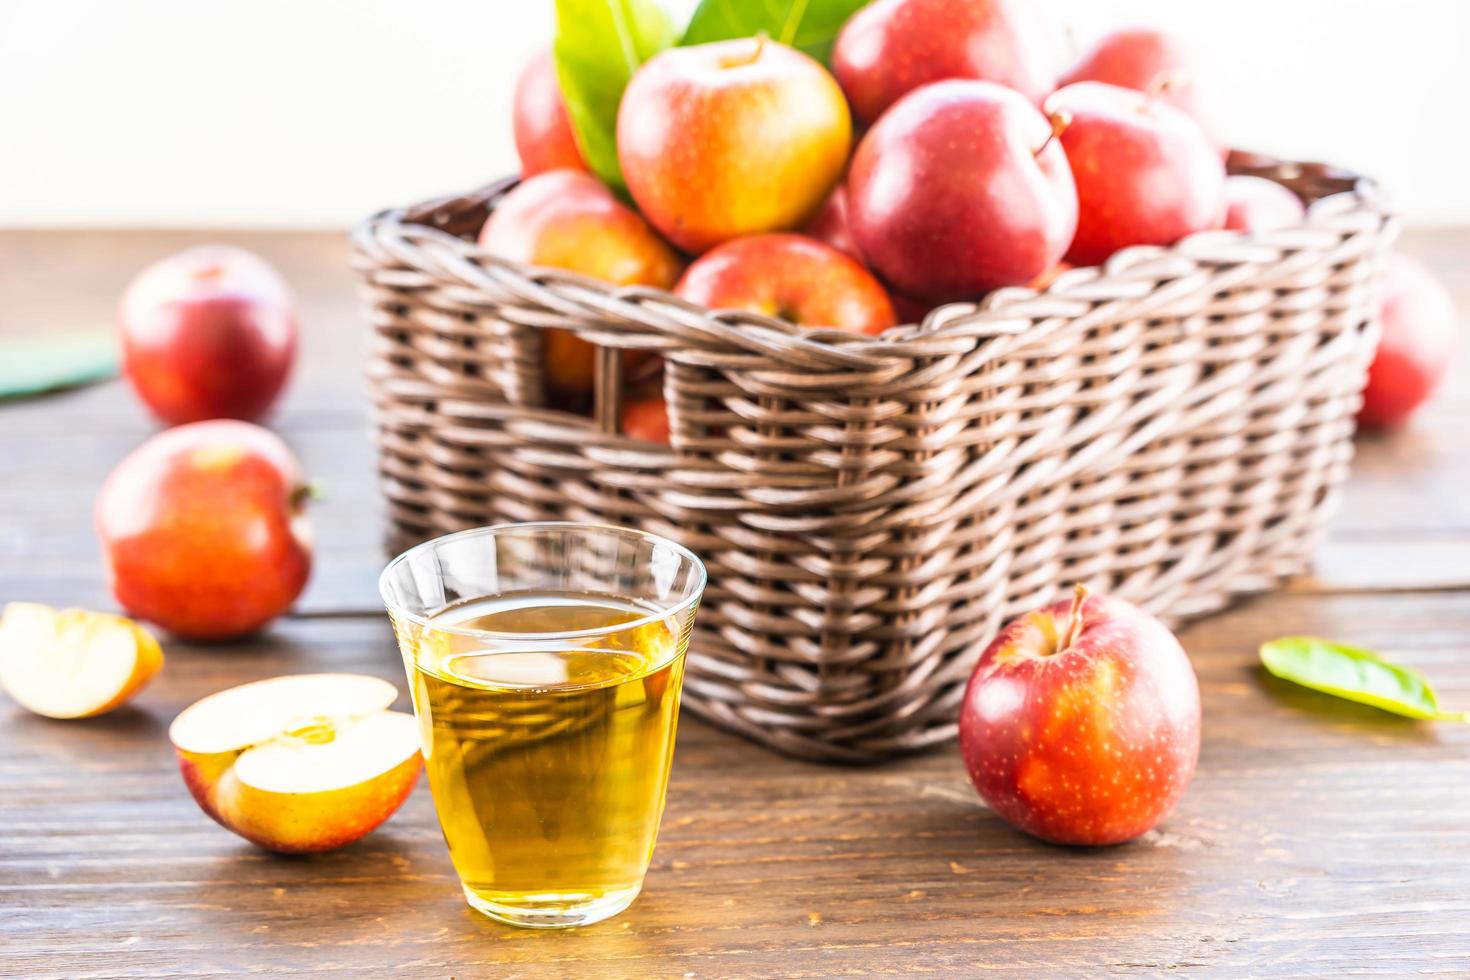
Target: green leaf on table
599,45
30,366
811,25
1355,674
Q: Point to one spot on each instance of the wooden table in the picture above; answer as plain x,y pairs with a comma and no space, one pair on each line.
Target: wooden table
1319,837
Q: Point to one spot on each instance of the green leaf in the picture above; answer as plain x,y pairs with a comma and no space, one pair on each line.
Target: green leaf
1355,674
810,25
30,366
599,45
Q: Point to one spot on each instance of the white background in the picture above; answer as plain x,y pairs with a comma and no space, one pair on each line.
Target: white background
313,113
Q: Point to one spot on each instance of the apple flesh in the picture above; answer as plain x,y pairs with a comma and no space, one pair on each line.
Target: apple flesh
204,531
891,47
1146,174
208,333
731,138
792,277
1256,204
1417,346
959,189
1148,60
569,220
1081,722
71,663
299,764
543,130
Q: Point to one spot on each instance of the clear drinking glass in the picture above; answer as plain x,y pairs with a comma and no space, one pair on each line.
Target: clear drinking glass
545,663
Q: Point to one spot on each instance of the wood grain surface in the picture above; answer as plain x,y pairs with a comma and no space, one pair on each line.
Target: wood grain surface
1319,837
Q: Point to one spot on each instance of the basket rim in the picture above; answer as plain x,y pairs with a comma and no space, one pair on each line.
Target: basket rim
952,328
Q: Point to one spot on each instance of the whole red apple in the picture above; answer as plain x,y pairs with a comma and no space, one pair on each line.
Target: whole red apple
1145,172
1417,345
796,278
1149,60
203,529
539,120
1081,722
566,219
891,47
731,138
1258,204
208,333
833,224
959,189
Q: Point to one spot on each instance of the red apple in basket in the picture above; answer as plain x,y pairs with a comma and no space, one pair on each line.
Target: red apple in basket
961,188
891,47
1258,204
731,138
1146,174
792,277
1081,722
543,130
203,529
567,219
208,333
833,224
1145,59
646,419
1417,346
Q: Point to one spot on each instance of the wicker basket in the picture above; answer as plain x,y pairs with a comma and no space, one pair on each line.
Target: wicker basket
1172,428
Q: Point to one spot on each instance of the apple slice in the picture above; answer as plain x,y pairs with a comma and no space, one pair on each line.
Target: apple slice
302,763
71,663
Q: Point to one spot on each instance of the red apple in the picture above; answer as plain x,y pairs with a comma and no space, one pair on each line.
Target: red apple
731,138
203,529
646,419
1146,174
567,219
959,189
1258,204
1417,346
1149,60
793,277
208,333
1081,722
833,224
891,47
543,130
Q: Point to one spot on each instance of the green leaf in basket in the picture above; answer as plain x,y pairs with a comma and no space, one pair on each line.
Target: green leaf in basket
599,45
29,366
1355,674
810,25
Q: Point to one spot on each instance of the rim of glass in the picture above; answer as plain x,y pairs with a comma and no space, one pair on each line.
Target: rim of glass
489,530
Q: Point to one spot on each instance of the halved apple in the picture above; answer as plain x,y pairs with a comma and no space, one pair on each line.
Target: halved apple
71,663
302,763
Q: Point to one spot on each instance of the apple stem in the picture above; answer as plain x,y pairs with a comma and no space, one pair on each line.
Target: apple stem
761,38
1059,123
1074,624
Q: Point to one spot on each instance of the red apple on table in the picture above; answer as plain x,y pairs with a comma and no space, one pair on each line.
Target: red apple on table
792,277
203,529
299,764
539,120
1258,204
208,333
567,219
1417,346
1149,60
1145,172
731,138
833,224
961,188
1081,722
891,47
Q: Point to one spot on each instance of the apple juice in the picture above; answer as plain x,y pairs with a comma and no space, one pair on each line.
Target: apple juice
547,751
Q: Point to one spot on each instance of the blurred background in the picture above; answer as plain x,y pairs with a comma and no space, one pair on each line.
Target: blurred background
290,114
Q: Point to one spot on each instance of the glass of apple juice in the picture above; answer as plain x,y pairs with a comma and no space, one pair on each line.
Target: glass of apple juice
545,663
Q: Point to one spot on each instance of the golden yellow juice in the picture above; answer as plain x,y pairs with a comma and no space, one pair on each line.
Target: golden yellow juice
547,751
